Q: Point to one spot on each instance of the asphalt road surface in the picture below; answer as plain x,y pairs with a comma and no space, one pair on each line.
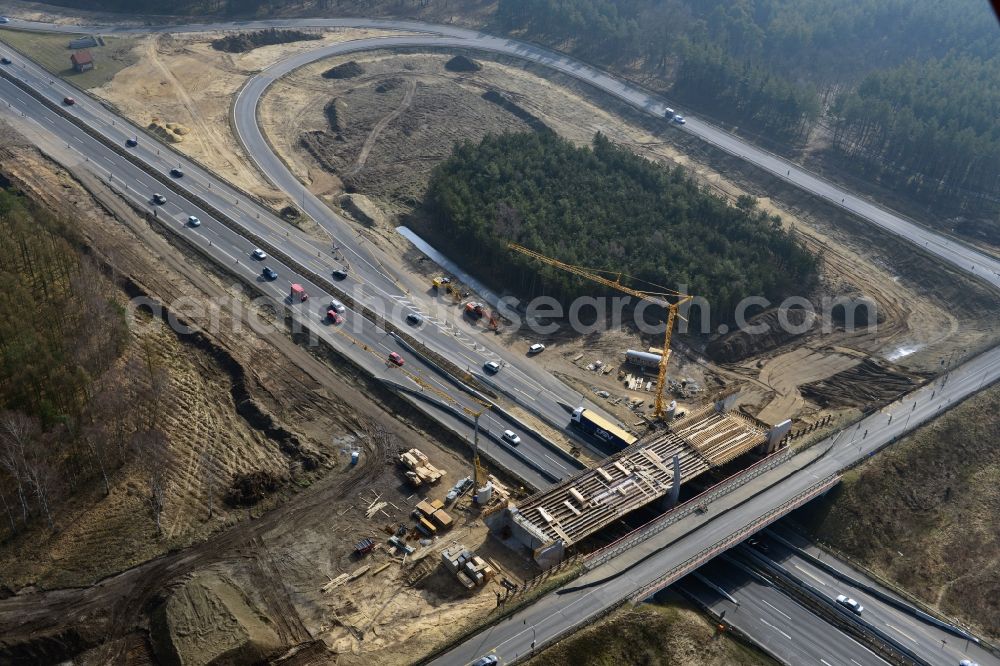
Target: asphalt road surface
926,639
786,630
641,569
962,381
533,460
960,255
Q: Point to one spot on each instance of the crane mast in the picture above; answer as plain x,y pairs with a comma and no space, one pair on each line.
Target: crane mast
658,298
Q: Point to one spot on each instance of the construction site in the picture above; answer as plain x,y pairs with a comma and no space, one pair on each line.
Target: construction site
322,533
647,474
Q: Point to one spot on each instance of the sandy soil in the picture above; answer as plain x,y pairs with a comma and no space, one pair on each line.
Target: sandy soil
180,78
389,133
915,330
298,540
401,116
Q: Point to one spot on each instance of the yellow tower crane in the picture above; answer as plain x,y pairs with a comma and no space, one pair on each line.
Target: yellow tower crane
659,298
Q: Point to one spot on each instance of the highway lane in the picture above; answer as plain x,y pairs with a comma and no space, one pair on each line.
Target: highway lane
232,251
926,639
368,281
947,244
641,569
962,256
790,632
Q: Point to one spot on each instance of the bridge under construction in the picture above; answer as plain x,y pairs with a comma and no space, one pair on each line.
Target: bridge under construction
549,522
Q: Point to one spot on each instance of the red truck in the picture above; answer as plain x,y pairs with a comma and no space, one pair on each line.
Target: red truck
298,293
474,310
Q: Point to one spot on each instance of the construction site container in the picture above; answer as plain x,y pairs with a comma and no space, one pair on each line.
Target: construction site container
643,359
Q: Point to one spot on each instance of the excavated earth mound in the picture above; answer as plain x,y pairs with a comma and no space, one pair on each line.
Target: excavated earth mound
208,620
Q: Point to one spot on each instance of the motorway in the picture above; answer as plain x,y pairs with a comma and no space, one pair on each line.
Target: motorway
673,552
909,628
956,253
622,576
789,632
534,460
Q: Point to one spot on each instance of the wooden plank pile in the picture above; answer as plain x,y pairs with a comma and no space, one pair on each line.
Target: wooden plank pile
419,470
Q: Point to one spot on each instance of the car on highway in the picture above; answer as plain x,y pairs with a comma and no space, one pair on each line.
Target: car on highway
536,348
491,367
340,274
4,19
334,317
69,101
668,113
850,604
132,142
159,199
679,119
269,274
194,221
5,60
510,437
414,319
337,306
258,254
396,359
968,662
488,660
176,172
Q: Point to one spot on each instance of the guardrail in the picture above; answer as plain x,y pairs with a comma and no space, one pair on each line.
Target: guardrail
828,609
240,229
873,591
692,505
496,408
449,370
723,544
437,362
690,564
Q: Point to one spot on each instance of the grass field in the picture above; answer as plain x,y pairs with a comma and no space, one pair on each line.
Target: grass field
52,52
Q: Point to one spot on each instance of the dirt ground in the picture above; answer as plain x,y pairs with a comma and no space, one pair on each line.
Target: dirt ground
180,78
279,553
382,132
382,106
386,133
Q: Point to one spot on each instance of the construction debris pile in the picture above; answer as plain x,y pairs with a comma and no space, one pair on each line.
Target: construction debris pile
419,469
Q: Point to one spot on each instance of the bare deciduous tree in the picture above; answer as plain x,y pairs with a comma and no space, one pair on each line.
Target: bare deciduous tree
154,457
40,471
16,432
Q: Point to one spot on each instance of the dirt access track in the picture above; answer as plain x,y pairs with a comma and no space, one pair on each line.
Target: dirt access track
383,132
180,78
270,561
382,129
